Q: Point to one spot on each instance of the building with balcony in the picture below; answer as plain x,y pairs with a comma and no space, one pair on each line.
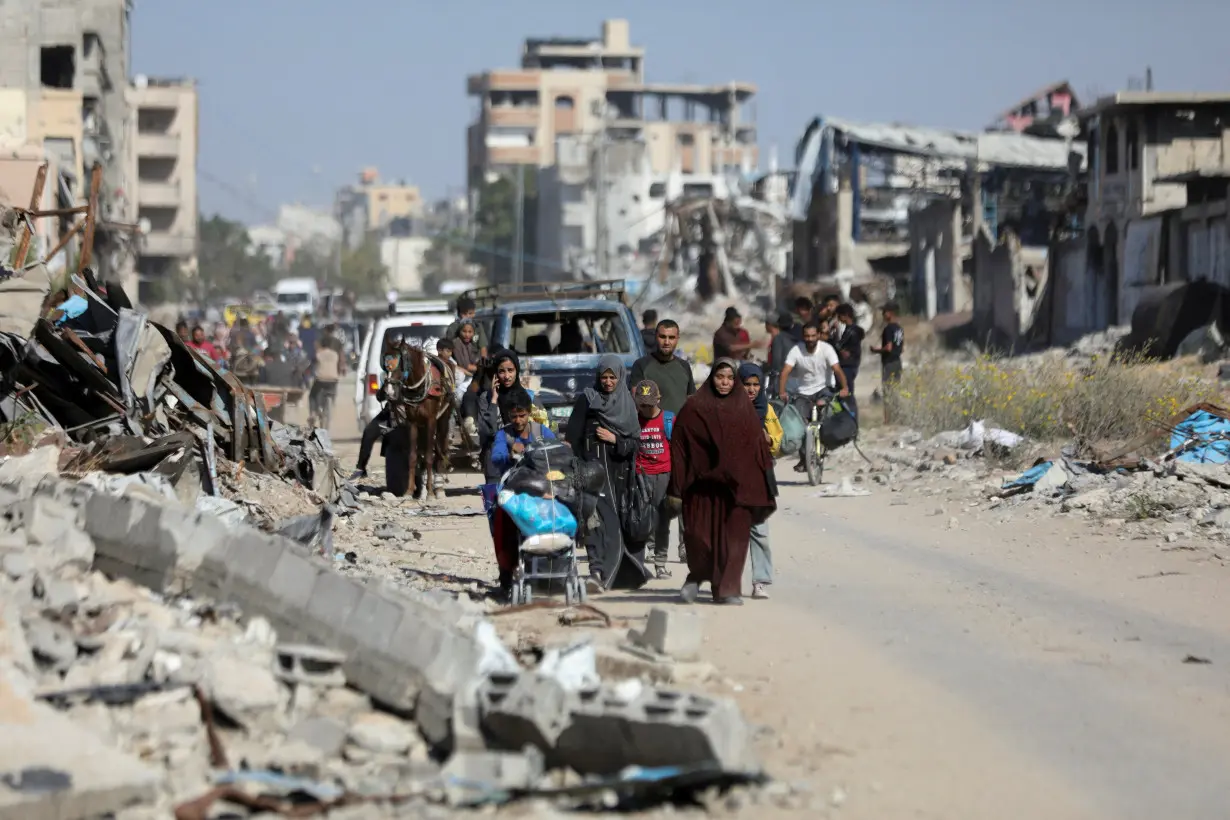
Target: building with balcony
371,205
570,86
165,155
70,60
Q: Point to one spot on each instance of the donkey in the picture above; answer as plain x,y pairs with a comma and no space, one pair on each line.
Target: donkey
420,392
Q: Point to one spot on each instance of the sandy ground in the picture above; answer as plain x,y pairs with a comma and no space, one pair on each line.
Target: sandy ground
954,664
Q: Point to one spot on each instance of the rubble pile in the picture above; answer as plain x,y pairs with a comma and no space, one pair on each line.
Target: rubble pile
125,395
1179,489
157,660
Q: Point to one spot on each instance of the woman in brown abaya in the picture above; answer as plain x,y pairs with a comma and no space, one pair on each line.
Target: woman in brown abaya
719,476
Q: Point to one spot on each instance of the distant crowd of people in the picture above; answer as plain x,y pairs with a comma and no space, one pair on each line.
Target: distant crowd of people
275,352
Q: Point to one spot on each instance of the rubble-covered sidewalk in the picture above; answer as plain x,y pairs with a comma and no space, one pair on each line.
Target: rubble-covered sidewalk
179,628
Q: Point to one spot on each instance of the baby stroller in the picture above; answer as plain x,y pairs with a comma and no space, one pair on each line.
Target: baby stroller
549,496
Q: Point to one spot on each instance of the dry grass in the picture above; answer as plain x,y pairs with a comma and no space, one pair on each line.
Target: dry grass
1048,400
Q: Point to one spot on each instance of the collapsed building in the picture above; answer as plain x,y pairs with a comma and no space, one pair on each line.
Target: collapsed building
1151,212
910,202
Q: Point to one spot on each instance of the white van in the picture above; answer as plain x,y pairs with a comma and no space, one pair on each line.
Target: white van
296,296
424,328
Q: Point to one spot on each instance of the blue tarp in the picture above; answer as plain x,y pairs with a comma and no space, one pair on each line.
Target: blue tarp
1205,428
1030,477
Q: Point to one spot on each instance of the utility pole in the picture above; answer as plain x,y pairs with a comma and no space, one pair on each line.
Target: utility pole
600,217
518,268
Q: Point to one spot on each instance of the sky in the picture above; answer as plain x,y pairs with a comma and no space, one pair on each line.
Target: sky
296,96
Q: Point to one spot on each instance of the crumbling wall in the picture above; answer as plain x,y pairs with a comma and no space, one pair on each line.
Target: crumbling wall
1011,289
1142,257
1071,314
935,259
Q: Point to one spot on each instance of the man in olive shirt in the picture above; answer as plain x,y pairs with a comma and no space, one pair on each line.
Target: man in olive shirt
671,374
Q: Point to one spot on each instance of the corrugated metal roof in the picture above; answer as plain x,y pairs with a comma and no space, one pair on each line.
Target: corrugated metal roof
1002,149
1007,149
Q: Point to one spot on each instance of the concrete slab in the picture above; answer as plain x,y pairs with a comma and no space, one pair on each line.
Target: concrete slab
50,769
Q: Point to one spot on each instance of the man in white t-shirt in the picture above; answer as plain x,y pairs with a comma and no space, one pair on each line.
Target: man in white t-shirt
818,370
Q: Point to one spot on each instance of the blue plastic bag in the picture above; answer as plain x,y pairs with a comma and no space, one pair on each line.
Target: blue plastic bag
537,516
72,308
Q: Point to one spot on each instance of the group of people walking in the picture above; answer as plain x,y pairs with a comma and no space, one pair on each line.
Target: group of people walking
701,456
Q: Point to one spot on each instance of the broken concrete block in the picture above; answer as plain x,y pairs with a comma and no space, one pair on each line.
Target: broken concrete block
324,734
471,777
310,665
55,770
1216,475
56,595
655,727
524,709
382,733
676,632
244,691
39,462
52,643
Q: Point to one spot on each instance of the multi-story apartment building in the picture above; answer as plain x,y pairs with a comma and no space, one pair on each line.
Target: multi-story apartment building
165,157
570,86
372,205
69,58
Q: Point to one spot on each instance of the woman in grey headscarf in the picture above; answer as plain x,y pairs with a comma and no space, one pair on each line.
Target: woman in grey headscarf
604,428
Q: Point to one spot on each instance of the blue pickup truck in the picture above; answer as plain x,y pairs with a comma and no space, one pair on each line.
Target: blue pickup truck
558,332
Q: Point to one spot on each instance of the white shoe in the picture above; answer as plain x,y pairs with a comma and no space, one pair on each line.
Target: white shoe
759,591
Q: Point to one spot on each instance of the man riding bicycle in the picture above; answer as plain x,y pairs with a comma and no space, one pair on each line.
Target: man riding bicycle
819,374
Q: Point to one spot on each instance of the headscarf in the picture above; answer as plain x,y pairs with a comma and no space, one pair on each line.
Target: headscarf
615,410
502,354
749,370
718,442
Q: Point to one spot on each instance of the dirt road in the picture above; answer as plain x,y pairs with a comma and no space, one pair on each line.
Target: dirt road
910,665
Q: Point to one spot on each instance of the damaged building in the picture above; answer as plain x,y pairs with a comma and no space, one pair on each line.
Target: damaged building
1153,209
64,69
908,202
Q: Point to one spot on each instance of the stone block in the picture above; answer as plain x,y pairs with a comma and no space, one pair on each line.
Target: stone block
58,770
676,632
524,709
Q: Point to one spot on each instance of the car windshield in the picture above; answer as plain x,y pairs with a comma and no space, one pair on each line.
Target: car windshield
293,298
566,332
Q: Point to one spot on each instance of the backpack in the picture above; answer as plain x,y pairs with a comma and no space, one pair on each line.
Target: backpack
794,428
838,429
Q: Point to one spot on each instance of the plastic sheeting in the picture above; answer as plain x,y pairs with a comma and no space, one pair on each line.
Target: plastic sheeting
1204,438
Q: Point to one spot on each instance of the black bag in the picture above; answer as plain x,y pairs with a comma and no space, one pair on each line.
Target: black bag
838,429
639,514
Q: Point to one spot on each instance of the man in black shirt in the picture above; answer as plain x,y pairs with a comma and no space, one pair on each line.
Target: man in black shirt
892,344
849,344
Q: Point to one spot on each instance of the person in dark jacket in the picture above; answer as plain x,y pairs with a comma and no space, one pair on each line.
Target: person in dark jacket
649,330
787,336
604,428
507,378
849,350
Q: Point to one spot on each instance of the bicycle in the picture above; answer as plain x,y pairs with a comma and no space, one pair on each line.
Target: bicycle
814,451
826,405
320,404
